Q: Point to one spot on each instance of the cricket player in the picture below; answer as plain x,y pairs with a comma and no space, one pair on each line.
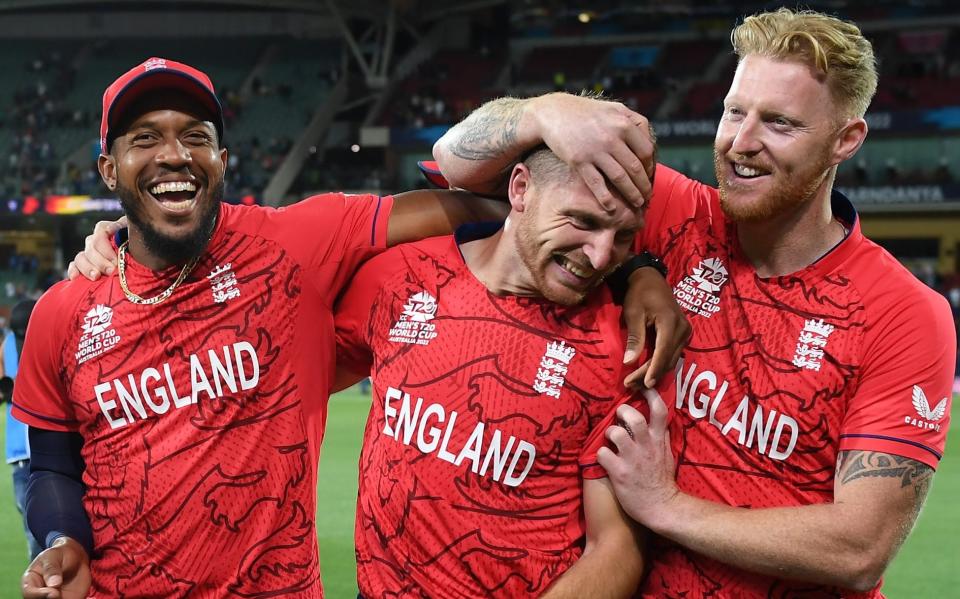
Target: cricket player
496,370
794,448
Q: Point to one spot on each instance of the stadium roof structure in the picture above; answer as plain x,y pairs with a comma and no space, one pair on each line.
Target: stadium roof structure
414,10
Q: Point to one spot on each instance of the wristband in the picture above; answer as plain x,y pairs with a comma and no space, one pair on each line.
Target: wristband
617,281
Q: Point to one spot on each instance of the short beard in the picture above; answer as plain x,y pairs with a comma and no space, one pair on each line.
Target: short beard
791,194
173,250
527,250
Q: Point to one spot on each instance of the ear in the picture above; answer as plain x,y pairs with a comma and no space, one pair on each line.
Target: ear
107,165
223,159
849,140
519,186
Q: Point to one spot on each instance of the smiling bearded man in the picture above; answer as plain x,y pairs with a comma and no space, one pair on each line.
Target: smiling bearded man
495,366
801,463
177,410
187,189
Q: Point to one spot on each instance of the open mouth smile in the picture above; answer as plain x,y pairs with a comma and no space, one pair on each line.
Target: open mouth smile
743,171
175,196
577,272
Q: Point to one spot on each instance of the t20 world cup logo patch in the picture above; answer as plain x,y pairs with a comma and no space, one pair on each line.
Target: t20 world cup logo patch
699,292
98,334
414,326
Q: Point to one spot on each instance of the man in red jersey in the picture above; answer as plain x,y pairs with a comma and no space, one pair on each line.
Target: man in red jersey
174,409
186,378
812,405
496,370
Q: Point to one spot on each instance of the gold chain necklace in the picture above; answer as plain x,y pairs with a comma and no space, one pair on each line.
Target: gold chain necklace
136,299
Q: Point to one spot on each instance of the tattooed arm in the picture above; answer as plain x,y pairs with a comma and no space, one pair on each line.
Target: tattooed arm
847,543
598,138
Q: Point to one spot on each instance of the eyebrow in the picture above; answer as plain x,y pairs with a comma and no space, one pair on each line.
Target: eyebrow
581,213
604,219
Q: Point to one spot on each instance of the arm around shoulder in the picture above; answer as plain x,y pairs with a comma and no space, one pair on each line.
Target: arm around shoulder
426,213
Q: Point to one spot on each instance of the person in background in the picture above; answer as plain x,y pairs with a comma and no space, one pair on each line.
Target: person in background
17,445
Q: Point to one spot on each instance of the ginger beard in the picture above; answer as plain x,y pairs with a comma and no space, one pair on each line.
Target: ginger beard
786,191
174,250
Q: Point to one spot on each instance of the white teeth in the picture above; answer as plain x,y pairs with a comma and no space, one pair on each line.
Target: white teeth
580,272
172,186
181,205
745,171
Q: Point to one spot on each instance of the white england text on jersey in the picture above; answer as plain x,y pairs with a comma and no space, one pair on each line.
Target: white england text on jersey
928,416
414,326
774,433
811,344
552,372
699,292
429,426
98,336
133,396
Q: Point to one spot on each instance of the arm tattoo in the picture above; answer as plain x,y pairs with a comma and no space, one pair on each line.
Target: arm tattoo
852,465
490,131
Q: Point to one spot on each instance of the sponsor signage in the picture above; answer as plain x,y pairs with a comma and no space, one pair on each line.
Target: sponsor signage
79,204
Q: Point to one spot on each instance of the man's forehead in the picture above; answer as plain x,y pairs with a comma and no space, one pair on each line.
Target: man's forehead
779,75
152,108
156,118
622,214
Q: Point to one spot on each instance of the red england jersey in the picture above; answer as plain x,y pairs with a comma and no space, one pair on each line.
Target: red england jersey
202,416
487,412
783,373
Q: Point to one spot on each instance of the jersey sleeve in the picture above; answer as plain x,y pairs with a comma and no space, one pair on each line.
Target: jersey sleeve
352,317
613,334
332,234
902,404
589,468
358,311
675,198
40,398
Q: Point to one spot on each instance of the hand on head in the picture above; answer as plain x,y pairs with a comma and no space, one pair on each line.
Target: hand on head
603,142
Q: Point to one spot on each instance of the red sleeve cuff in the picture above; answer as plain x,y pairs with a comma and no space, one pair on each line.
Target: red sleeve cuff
38,420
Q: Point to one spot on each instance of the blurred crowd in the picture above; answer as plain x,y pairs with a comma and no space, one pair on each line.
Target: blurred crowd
36,111
22,278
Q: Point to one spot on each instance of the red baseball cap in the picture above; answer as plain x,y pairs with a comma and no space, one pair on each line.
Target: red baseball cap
154,74
432,173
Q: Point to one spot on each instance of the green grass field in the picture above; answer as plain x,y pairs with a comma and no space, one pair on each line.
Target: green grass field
928,565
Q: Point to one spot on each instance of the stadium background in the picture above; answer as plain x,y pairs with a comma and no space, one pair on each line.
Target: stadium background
348,95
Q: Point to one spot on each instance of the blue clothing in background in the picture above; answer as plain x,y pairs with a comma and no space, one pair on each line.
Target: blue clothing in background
17,447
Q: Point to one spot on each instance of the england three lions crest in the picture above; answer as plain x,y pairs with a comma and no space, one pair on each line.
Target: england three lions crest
812,344
552,372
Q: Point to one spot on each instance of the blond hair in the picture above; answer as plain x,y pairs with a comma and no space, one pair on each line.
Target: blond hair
545,166
835,49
